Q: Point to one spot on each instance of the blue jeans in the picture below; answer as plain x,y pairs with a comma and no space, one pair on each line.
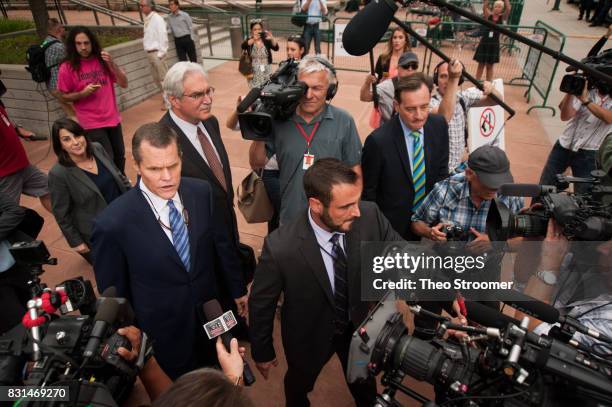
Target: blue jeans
310,31
582,162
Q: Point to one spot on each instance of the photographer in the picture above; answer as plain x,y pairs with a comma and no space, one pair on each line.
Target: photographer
259,46
590,118
316,130
464,199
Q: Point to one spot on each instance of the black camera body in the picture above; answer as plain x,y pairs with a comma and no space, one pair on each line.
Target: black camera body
574,83
276,100
455,233
511,367
58,344
583,217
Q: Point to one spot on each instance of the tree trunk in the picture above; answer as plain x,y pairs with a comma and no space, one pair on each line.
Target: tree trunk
40,14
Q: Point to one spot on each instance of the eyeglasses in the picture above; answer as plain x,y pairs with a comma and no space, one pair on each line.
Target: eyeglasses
196,96
413,65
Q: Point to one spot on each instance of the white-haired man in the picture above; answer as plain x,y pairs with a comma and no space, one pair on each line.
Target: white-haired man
187,90
316,130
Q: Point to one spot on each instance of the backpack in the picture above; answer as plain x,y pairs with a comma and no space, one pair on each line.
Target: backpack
35,55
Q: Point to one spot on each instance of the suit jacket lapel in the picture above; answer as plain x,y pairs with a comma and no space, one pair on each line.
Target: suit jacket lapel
400,146
190,153
152,227
218,143
353,255
193,222
312,256
111,168
78,174
428,149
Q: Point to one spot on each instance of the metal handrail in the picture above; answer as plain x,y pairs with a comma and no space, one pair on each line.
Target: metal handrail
99,9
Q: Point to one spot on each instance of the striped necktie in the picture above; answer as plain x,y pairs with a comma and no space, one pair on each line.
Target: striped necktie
180,237
340,283
418,170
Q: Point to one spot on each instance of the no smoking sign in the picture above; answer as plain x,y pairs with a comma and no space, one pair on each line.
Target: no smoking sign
487,122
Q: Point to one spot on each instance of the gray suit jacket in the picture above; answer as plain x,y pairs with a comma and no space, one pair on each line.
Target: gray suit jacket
76,200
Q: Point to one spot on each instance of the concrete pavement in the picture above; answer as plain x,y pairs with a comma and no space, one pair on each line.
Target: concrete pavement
528,140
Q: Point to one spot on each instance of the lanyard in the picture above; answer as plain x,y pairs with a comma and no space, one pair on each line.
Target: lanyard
306,136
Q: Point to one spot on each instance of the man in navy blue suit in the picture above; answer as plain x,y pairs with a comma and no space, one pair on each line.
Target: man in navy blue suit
158,244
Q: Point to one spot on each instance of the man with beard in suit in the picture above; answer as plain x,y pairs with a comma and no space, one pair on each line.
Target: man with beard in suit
315,262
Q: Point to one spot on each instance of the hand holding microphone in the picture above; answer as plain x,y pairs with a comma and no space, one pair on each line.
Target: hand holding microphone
231,362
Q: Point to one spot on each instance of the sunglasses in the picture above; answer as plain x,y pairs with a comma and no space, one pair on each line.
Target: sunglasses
412,65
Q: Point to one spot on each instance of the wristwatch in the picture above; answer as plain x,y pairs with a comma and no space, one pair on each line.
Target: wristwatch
547,277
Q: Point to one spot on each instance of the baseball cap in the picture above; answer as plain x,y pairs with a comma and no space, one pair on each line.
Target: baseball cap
407,58
491,165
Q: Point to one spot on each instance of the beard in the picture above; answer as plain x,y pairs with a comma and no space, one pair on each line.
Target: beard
335,227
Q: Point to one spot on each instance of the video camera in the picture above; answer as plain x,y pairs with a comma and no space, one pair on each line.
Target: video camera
76,351
583,216
275,100
574,83
510,367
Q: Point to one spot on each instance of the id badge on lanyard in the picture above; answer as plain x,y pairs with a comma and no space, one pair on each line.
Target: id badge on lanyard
308,158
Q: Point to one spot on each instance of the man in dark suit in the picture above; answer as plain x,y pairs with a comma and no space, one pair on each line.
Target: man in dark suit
315,262
404,158
187,90
157,244
190,95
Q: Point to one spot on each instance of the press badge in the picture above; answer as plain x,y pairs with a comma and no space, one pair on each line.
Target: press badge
308,161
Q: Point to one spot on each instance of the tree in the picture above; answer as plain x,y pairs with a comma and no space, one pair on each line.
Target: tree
40,14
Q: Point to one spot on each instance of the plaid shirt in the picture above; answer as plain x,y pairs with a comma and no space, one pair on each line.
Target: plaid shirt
450,202
54,55
456,127
595,314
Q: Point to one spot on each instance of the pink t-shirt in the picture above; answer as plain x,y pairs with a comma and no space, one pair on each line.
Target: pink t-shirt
98,109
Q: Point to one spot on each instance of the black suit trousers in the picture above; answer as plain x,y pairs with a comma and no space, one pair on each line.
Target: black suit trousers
298,383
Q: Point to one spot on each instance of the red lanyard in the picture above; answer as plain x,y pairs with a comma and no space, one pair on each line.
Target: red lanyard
306,136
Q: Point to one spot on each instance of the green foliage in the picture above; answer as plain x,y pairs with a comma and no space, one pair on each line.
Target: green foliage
9,26
14,48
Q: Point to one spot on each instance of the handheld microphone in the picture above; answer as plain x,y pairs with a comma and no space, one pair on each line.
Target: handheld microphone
368,26
105,317
219,324
530,190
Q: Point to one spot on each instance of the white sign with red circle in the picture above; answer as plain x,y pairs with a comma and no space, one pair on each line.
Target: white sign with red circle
486,124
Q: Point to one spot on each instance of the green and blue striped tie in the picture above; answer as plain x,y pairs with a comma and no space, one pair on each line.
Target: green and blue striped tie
418,170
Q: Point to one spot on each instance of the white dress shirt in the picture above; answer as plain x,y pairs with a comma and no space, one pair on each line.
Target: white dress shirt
160,208
326,247
155,34
191,132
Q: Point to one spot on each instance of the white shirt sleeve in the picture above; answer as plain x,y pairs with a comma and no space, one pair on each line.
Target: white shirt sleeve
162,34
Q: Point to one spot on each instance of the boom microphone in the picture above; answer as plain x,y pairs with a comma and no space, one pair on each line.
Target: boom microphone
530,190
105,317
213,311
368,26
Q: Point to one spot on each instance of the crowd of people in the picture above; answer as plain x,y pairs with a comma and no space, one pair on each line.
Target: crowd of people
170,242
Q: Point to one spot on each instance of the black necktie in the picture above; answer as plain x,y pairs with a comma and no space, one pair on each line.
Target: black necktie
340,282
